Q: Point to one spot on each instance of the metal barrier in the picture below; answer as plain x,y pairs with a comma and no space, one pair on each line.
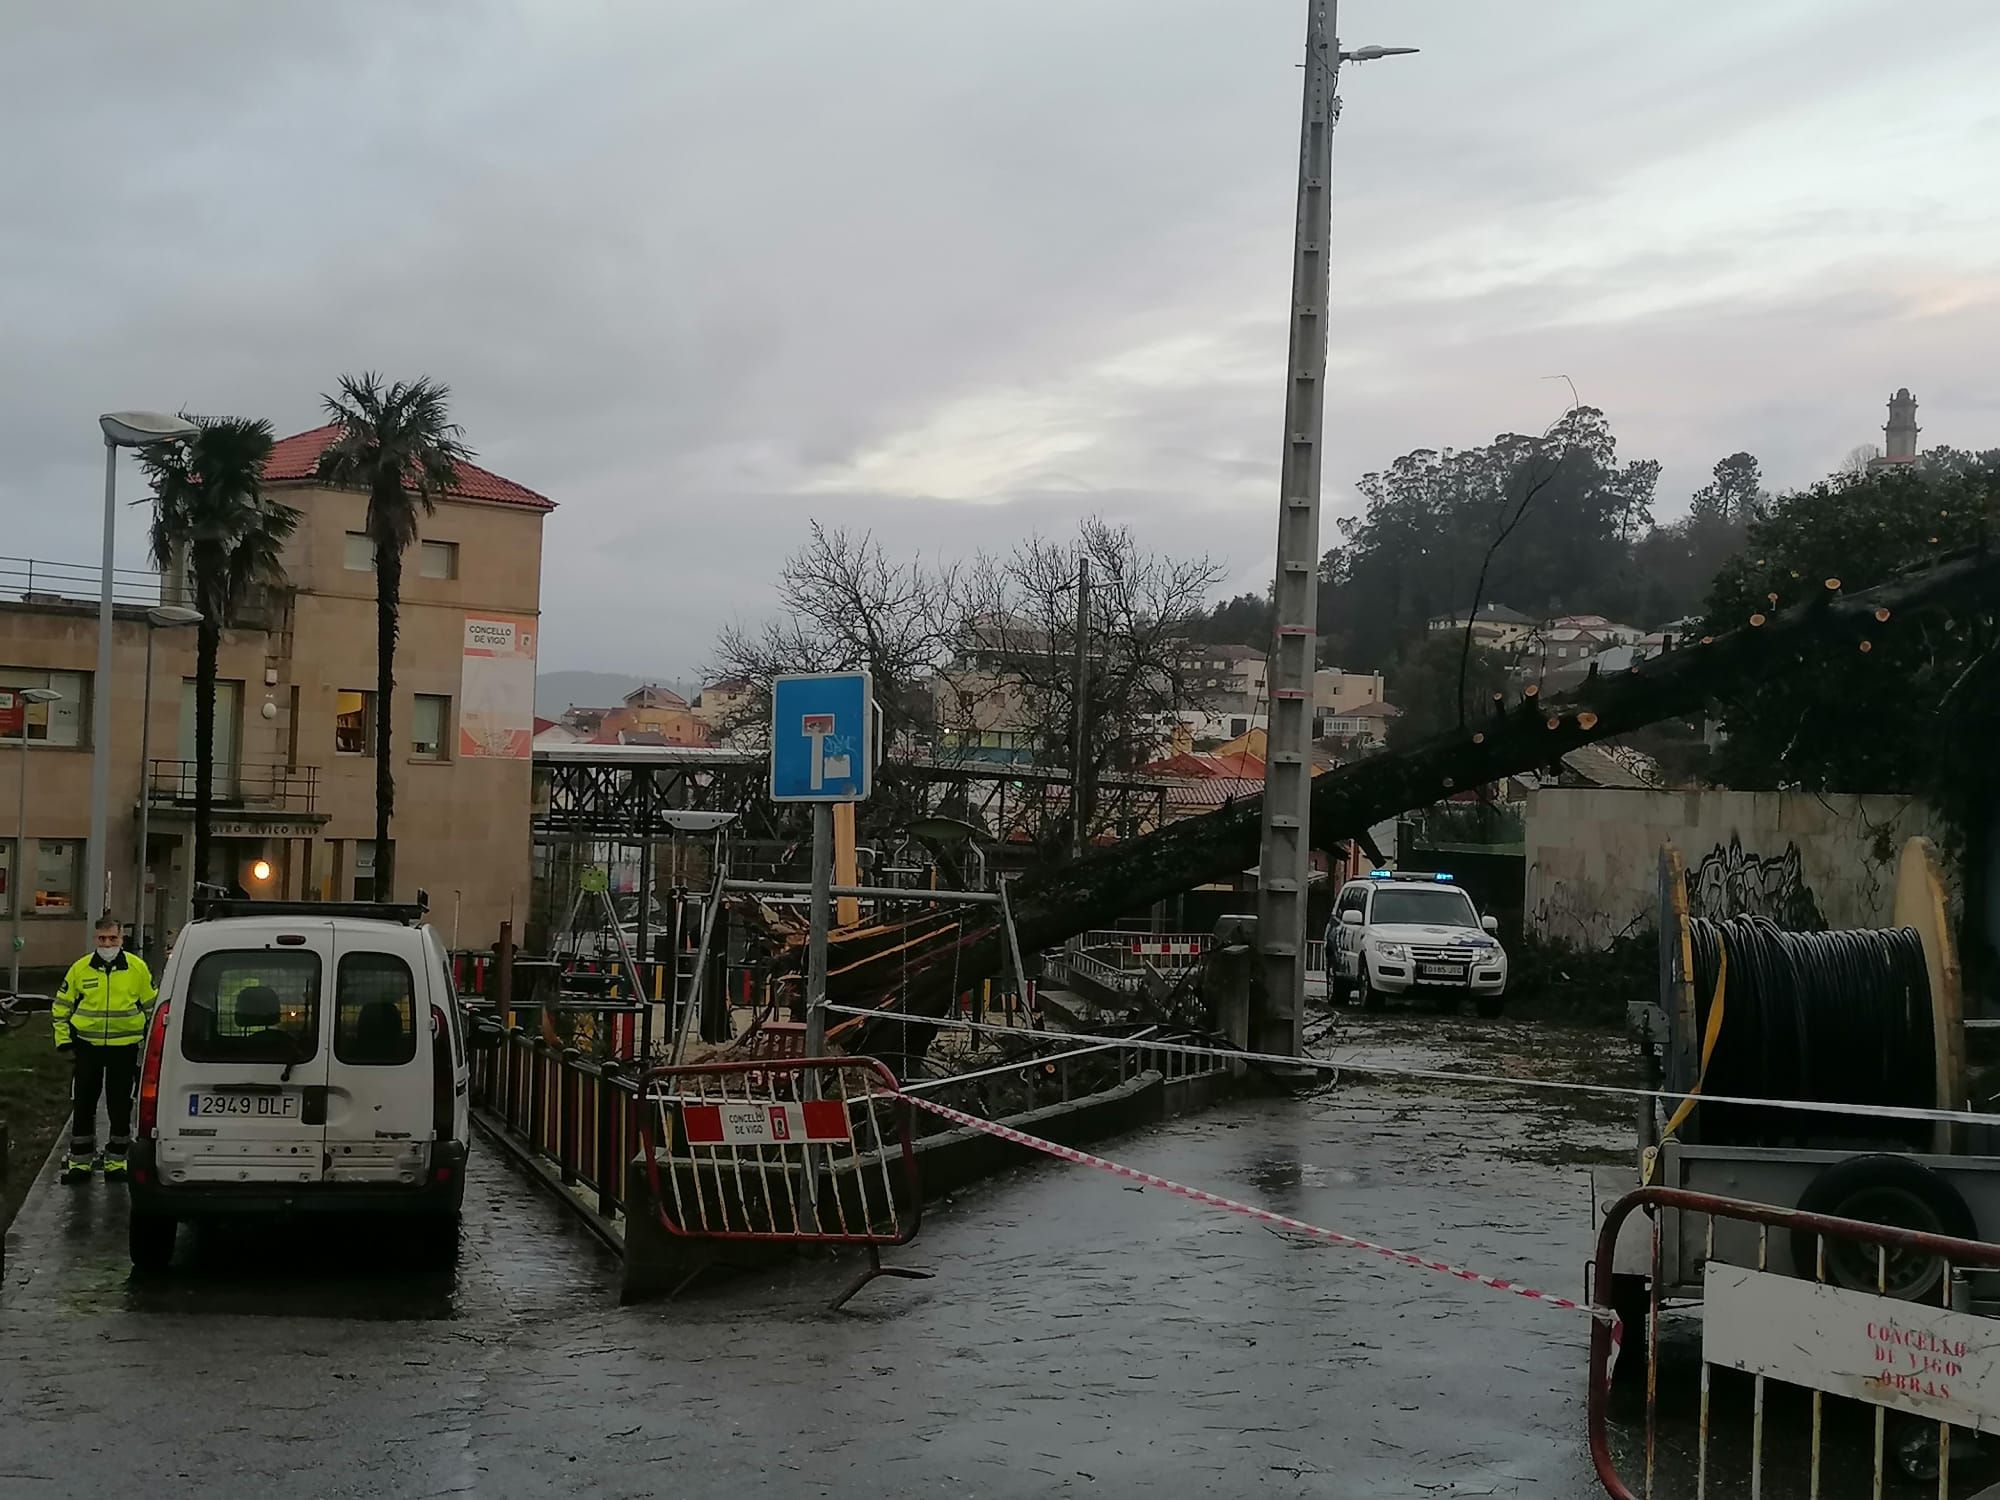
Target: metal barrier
1934,1363
800,1150
577,1114
1139,950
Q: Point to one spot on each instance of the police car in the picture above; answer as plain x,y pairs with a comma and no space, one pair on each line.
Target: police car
1414,933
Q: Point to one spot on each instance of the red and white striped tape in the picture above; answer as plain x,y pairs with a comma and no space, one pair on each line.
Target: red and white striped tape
1261,1215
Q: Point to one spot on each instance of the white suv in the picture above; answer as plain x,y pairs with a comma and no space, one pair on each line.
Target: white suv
1413,933
303,1056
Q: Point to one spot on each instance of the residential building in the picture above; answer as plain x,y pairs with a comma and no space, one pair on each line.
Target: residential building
1228,688
648,715
1494,626
294,779
722,703
1337,692
1568,640
1364,724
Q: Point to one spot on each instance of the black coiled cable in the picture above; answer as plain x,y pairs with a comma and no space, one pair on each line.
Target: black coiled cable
1843,1017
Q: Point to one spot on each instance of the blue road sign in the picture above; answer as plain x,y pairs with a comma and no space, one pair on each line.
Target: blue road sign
822,738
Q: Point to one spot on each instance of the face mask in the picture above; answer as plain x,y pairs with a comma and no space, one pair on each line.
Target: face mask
108,951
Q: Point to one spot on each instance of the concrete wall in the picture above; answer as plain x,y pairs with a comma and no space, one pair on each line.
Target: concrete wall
1806,861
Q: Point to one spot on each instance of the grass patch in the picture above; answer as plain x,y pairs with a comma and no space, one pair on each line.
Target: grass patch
34,1098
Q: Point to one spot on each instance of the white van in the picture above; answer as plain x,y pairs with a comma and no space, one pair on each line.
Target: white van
303,1057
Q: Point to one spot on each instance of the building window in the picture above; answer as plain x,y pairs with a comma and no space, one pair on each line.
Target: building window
437,559
53,893
430,720
364,869
59,723
1238,728
360,554
353,722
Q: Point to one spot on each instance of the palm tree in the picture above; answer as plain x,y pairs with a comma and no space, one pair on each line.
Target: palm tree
399,445
210,514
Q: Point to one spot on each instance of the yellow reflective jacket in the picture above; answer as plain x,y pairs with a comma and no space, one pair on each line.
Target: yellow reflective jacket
105,1005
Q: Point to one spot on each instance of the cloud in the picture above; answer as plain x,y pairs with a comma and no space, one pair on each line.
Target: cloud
704,272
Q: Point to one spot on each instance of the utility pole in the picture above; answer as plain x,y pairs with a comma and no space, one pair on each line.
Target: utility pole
1284,863
1079,765
1285,856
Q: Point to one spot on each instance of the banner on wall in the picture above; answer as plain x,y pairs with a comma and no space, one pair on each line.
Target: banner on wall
496,704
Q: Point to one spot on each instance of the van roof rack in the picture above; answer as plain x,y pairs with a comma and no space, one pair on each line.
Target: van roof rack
212,905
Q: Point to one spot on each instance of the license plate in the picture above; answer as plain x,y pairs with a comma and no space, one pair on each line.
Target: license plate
1440,971
205,1106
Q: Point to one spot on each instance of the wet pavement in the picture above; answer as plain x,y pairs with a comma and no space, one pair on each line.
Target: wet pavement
1081,1337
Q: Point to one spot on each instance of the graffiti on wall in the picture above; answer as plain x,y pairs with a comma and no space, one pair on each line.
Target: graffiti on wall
1732,882
1573,911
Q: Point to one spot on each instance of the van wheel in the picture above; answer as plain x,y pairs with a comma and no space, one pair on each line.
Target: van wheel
150,1237
438,1240
1881,1189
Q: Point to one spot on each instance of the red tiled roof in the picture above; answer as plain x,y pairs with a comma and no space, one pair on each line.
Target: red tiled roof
1192,763
297,457
1212,791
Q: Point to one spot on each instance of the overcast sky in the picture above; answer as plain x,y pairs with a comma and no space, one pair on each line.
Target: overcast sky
955,271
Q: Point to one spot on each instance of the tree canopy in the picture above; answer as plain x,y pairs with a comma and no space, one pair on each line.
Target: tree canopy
1919,709
1549,521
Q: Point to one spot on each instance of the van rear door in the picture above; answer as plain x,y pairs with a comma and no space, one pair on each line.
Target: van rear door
378,1122
243,1084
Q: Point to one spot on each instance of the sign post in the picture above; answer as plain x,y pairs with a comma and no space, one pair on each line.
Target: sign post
822,752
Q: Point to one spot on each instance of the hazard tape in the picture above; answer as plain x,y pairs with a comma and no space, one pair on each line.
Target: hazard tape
1261,1215
1440,1075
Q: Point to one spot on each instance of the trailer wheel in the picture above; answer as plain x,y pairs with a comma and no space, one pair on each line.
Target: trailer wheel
1632,1300
1882,1189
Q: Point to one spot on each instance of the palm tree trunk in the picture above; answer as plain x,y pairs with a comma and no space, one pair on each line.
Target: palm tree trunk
388,600
208,643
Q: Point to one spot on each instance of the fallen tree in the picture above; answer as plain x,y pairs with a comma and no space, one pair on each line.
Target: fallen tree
1058,901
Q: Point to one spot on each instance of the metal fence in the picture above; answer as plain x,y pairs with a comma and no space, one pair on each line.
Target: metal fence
807,1151
268,784
34,580
578,1114
1882,1325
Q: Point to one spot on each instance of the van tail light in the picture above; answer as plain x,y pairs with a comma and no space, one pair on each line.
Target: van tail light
441,1089
149,1075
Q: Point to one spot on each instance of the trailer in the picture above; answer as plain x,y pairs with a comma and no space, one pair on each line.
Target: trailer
1949,1186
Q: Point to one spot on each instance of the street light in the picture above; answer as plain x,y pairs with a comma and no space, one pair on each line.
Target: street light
27,695
1284,861
122,429
160,617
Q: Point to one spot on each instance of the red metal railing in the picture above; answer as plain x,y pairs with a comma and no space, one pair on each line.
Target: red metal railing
1661,1202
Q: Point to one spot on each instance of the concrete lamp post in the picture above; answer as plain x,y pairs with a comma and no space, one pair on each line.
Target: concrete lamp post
28,695
1284,862
163,617
122,429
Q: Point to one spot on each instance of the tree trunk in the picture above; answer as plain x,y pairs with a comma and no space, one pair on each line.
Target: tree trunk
208,643
388,600
1058,901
